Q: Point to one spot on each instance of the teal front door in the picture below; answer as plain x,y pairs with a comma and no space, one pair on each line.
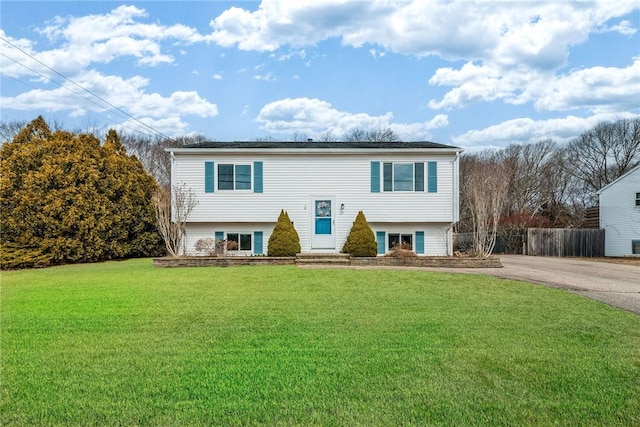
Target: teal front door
323,224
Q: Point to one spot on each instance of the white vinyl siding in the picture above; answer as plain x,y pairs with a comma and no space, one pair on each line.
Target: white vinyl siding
619,214
291,181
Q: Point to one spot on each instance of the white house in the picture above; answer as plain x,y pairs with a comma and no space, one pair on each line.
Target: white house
620,215
408,192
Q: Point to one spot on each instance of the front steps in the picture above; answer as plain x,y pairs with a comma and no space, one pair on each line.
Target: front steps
322,259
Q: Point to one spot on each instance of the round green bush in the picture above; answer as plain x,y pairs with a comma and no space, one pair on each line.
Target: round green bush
360,242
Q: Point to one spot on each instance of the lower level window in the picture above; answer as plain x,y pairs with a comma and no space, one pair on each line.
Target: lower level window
238,242
403,240
635,247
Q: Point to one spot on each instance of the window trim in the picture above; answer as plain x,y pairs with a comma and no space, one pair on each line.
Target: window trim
400,235
235,165
239,234
390,184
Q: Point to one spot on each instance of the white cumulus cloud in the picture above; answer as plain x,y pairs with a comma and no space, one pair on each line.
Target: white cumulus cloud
315,117
527,130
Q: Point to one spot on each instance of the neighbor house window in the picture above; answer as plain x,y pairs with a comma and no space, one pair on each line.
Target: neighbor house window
635,247
234,177
400,239
238,241
401,176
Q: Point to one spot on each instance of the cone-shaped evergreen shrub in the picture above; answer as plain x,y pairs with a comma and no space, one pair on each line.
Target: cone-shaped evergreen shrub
360,242
284,240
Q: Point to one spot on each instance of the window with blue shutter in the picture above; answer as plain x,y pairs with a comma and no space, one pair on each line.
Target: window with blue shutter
237,176
420,242
432,177
257,243
257,177
380,237
375,177
400,176
208,177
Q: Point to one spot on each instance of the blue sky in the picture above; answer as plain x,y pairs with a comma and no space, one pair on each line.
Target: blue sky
472,74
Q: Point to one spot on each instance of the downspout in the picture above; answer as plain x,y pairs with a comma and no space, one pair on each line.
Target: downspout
455,202
172,182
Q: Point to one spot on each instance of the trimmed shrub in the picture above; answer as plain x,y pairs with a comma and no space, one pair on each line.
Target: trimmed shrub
360,242
402,250
284,240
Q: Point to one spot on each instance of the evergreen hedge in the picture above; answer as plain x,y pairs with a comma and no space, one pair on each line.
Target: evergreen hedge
66,198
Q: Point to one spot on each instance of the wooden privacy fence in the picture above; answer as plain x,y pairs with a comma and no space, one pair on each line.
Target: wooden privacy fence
560,242
565,242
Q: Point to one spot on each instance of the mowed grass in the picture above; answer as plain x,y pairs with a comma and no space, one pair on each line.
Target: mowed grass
124,343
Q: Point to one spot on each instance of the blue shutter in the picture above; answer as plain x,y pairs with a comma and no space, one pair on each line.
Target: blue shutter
380,238
208,177
257,243
420,242
375,177
419,177
432,173
257,177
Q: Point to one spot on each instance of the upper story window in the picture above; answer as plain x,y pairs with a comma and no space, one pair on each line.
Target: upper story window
637,199
234,176
404,176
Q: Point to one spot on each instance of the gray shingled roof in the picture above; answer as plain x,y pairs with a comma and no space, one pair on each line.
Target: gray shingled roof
328,145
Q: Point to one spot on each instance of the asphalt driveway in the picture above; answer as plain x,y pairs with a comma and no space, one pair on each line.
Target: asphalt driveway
615,284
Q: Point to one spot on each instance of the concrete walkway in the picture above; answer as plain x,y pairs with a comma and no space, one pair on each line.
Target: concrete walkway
615,284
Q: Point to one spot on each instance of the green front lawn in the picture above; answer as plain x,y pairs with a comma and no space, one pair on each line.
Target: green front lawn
124,343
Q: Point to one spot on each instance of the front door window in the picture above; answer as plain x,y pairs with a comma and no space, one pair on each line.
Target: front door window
323,216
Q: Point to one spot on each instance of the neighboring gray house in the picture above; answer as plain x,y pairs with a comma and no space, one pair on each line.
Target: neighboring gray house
620,214
408,191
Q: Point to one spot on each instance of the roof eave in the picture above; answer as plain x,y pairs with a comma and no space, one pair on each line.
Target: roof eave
440,150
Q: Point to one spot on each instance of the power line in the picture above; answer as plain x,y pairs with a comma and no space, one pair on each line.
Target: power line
84,89
67,89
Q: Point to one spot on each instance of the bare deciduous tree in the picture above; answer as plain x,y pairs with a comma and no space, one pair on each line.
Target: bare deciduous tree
9,129
173,208
371,135
606,152
484,189
525,164
151,152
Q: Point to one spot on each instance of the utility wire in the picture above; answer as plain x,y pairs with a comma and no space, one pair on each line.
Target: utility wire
83,88
65,88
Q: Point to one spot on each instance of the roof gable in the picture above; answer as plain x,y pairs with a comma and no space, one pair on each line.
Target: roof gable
618,179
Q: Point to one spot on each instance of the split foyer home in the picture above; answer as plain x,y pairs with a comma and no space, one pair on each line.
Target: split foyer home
620,214
408,191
